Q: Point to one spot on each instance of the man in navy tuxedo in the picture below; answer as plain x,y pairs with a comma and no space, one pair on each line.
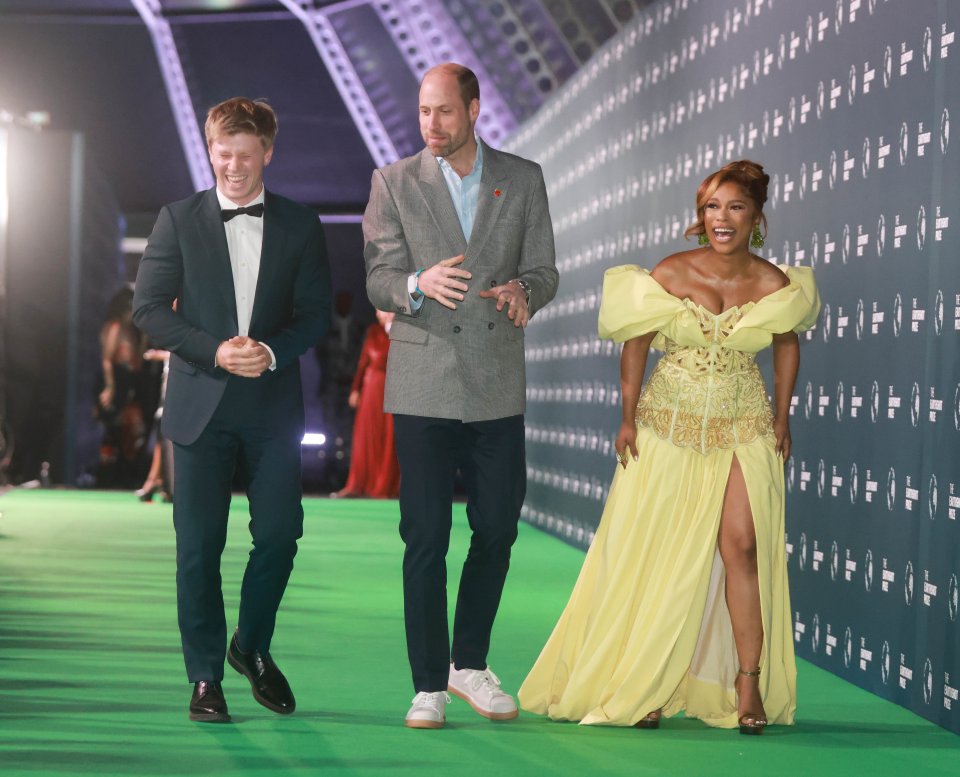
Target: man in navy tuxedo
249,271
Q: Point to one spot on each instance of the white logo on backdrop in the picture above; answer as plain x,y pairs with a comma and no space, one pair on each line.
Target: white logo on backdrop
834,560
933,497
874,401
944,131
847,647
802,555
921,227
956,407
815,633
841,402
868,571
891,488
904,143
885,662
897,314
915,404
854,483
908,584
859,322
927,681
821,478
953,597
881,234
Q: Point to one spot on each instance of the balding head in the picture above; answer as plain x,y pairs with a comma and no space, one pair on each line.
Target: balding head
466,79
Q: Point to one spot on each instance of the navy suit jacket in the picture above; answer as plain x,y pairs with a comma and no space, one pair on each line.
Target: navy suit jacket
187,260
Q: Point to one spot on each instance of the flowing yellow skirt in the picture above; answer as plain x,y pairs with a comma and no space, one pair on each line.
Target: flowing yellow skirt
647,626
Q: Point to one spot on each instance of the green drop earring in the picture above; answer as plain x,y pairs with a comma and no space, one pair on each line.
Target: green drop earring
703,239
756,237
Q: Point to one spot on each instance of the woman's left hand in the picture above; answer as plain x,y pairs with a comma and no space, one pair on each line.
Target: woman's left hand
781,431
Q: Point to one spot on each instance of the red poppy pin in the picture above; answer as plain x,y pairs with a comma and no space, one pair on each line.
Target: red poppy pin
497,192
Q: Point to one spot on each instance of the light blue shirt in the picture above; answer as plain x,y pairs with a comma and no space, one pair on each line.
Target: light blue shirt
465,192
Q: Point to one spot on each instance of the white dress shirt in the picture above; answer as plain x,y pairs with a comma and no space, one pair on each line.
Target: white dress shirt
245,244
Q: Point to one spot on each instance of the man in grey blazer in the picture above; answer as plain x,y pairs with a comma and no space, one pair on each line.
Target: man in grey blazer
458,242
249,271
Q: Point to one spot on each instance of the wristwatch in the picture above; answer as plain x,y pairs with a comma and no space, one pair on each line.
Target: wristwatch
412,288
523,285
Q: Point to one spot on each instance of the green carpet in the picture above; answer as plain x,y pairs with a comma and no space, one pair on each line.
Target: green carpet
92,679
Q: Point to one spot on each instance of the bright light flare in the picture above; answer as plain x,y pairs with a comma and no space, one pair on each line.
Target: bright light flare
313,438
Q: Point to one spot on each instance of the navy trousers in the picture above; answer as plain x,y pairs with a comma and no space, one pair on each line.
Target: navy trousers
491,460
262,439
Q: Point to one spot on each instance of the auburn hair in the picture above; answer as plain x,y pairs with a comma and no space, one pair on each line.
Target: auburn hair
748,175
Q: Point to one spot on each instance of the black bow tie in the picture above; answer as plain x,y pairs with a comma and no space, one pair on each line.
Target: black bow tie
254,210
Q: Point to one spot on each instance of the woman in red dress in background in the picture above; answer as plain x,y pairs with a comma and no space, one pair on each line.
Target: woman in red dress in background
374,471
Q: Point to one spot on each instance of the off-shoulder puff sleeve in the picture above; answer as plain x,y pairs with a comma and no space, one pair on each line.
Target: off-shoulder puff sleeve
794,308
634,304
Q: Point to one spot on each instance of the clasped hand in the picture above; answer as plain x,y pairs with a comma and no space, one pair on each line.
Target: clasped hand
243,356
444,282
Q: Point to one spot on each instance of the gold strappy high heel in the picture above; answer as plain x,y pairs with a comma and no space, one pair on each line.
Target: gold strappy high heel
751,722
650,720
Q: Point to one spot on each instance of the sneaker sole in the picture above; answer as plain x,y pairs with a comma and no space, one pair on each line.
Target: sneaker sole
423,723
485,713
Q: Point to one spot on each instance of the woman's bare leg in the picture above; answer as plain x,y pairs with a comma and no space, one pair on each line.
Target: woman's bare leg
738,549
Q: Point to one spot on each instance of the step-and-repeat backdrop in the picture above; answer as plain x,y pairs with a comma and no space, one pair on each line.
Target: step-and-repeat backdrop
848,105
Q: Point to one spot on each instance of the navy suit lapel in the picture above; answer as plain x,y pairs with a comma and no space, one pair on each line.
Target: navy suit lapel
437,197
271,254
494,186
210,226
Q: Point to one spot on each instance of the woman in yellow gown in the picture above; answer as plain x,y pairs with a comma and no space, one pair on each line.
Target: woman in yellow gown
682,603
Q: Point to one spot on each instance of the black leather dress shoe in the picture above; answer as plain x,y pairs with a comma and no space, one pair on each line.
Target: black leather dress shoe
269,686
207,704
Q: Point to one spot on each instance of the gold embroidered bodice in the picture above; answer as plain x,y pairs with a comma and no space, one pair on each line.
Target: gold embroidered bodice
707,397
706,392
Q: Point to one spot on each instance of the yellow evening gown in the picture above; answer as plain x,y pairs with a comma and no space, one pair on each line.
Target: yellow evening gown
647,626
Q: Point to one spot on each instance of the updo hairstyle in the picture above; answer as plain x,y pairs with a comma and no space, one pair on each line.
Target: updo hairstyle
748,175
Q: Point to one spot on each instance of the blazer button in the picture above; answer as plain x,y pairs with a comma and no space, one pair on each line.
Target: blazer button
490,325
456,330
493,284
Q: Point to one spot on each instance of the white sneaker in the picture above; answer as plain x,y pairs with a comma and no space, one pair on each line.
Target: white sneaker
480,688
428,710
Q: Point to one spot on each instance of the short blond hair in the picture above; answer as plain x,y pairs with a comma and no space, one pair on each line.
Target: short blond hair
241,114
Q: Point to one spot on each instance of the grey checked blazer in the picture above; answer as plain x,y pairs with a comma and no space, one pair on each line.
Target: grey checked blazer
468,363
